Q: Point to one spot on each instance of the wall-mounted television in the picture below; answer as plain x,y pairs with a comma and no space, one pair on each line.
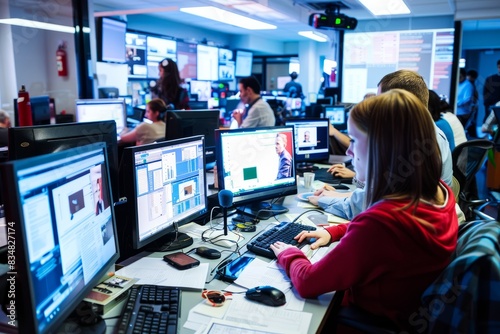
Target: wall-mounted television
110,36
187,60
159,48
136,54
208,63
244,62
368,56
226,65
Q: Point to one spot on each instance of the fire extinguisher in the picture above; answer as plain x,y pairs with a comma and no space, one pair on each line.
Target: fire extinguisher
24,107
62,67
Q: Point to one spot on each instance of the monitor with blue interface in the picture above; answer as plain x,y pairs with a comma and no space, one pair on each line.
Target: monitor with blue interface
165,188
256,164
311,141
337,116
61,210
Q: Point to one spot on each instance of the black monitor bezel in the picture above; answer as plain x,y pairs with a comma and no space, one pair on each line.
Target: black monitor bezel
259,195
128,176
25,310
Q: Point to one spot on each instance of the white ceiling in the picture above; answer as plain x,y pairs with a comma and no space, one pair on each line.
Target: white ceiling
478,14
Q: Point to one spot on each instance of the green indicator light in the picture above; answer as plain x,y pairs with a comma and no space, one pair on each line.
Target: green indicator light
337,21
323,18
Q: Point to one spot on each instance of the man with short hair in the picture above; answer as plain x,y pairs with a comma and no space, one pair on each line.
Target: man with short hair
285,165
4,126
491,91
258,113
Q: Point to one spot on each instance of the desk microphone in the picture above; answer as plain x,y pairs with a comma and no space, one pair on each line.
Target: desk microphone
225,200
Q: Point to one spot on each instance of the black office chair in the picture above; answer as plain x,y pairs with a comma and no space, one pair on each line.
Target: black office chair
462,299
468,158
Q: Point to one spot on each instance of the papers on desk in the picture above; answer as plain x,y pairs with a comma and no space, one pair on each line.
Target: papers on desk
244,316
259,272
155,271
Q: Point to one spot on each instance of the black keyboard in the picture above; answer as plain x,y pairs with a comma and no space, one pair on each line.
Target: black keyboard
322,174
150,309
284,232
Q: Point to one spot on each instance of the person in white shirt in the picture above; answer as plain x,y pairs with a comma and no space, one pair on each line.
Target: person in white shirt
152,128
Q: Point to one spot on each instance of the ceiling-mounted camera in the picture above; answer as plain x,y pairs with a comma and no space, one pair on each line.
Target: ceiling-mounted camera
332,19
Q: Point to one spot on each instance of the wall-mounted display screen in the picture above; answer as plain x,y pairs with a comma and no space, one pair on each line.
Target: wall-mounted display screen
226,64
111,40
186,60
368,56
157,50
207,63
136,54
244,60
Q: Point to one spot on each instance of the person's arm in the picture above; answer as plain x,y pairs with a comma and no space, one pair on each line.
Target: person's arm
345,205
341,138
466,96
489,123
129,137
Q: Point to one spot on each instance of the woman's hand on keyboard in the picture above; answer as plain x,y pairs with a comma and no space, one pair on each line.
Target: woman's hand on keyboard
279,247
340,170
322,237
320,193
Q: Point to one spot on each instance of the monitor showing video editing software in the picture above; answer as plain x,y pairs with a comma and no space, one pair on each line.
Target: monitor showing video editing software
61,210
166,186
256,164
311,140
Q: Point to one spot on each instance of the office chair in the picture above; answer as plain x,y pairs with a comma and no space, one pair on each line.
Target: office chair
468,158
462,299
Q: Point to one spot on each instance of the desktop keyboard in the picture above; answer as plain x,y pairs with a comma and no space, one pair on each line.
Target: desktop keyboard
322,174
150,309
284,232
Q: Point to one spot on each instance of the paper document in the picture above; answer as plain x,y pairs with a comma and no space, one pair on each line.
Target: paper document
259,272
155,271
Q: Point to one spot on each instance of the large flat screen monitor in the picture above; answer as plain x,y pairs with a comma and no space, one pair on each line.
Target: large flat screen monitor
187,60
368,56
111,39
92,110
208,63
226,65
65,232
187,123
256,164
311,141
159,48
165,188
244,62
29,141
337,116
136,55
202,89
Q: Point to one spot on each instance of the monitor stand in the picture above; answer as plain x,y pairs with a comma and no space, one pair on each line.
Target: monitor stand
170,242
302,167
261,210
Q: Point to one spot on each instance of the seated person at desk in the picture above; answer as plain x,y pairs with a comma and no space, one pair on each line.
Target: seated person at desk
4,128
391,252
148,131
258,113
348,207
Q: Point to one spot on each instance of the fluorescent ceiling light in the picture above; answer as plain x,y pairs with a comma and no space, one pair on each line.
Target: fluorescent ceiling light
386,7
39,25
220,15
317,36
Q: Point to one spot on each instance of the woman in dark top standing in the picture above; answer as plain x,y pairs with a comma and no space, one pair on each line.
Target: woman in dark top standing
168,87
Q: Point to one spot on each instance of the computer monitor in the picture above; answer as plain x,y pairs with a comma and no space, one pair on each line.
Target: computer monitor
165,186
186,123
248,165
311,141
65,232
29,141
337,116
40,110
108,92
90,110
202,89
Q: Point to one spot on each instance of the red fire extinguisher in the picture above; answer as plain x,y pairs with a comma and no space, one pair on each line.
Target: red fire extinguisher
62,67
24,107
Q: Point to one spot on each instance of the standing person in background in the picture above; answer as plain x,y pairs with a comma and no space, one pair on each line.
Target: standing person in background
4,128
169,86
472,130
293,88
491,91
150,130
452,119
465,97
257,112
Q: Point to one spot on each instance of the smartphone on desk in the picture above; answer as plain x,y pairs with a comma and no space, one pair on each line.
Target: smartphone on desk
234,266
181,261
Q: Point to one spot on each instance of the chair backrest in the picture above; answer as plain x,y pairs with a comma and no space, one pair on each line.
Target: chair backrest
468,158
465,298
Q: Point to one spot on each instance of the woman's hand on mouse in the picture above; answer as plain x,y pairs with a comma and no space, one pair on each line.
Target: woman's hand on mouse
322,237
279,247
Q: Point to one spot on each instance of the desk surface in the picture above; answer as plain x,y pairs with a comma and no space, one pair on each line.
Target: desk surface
317,307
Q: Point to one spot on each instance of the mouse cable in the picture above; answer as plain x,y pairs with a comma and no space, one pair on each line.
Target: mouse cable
303,213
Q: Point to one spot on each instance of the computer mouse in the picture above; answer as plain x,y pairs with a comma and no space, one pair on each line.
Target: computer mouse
267,295
208,253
